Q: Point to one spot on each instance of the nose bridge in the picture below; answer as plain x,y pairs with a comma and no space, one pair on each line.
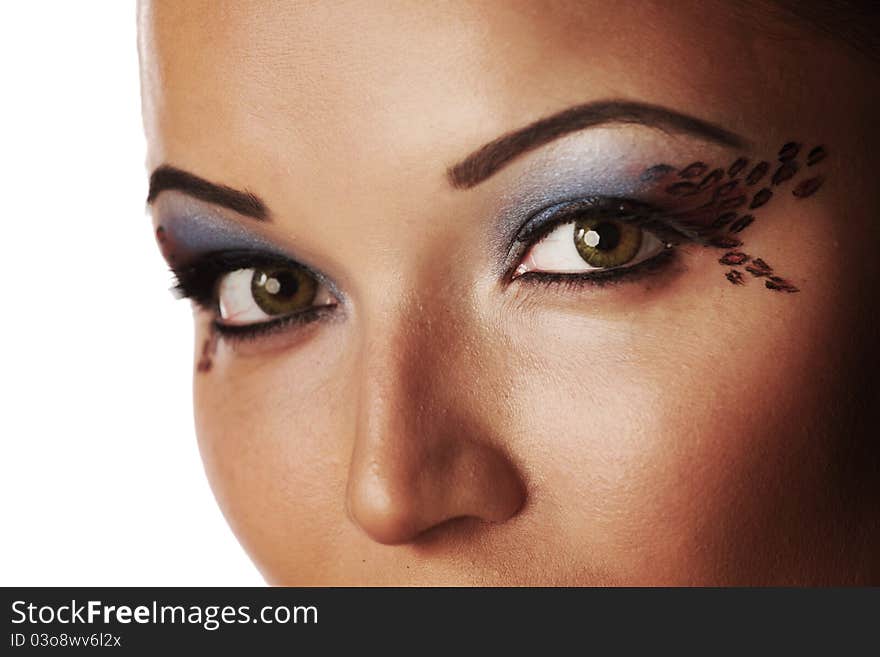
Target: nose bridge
400,408
407,357
421,454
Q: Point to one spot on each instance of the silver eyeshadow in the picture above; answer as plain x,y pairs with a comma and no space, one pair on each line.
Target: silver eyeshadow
193,228
606,162
602,162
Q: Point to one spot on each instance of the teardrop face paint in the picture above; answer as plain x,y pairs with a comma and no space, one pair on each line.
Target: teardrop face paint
656,172
785,171
737,166
718,219
779,284
694,170
808,187
742,223
761,198
789,151
757,173
759,268
711,179
816,155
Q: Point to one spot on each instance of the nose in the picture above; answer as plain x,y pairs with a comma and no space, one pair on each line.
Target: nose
423,453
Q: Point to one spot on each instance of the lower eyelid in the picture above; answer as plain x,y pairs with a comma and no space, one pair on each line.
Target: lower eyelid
245,332
602,277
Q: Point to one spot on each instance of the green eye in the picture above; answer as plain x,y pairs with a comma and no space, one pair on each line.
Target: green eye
606,242
282,290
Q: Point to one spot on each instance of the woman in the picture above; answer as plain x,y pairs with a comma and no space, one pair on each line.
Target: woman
528,293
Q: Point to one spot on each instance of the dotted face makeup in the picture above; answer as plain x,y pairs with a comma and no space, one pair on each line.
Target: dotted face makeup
209,348
717,222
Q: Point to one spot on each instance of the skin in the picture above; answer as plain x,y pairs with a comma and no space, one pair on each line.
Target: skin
450,428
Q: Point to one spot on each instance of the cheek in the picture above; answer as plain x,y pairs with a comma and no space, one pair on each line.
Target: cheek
690,442
274,453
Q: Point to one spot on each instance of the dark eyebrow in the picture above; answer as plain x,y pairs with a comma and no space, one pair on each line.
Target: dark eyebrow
491,157
244,202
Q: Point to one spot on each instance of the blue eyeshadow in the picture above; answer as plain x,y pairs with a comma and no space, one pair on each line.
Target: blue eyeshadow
191,235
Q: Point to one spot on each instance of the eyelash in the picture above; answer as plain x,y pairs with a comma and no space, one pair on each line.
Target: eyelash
545,221
602,278
246,332
198,282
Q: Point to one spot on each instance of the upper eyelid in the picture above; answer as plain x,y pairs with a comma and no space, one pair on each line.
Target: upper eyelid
195,228
227,261
193,235
648,216
245,259
252,257
550,215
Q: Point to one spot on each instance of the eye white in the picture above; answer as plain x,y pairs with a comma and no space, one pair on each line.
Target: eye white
556,253
236,301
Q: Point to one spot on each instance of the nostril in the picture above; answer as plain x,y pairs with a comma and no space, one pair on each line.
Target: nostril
454,530
397,510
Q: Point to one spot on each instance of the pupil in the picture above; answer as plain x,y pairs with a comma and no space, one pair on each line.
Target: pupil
608,235
282,284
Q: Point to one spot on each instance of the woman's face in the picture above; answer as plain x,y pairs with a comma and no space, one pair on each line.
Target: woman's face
557,363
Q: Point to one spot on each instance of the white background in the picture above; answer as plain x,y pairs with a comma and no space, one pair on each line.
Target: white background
100,477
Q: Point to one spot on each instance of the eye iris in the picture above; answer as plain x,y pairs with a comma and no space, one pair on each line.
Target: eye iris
606,242
282,290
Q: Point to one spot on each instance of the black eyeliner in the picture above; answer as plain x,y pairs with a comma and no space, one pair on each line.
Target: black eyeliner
198,280
604,277
639,213
646,216
243,332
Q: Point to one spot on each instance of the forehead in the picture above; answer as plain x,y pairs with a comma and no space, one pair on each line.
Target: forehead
324,85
